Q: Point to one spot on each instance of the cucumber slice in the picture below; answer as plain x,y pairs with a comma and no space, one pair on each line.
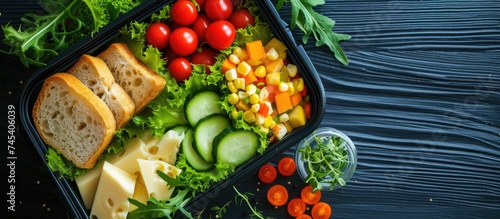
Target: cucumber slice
205,131
235,146
192,157
201,105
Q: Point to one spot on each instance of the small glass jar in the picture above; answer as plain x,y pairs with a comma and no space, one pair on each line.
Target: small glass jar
324,133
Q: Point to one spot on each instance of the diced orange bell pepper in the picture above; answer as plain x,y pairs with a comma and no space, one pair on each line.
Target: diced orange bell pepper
296,98
250,78
227,65
255,50
264,109
283,102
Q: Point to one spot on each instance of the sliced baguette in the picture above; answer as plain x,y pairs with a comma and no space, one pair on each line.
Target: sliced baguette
73,120
141,83
95,74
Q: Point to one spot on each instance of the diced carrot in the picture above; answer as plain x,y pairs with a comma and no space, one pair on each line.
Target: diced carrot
283,102
227,65
296,98
250,78
255,50
307,109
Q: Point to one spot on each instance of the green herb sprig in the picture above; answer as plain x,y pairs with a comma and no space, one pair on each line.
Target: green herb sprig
325,161
320,26
243,197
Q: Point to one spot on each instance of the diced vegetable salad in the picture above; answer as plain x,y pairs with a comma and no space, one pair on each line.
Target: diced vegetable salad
229,101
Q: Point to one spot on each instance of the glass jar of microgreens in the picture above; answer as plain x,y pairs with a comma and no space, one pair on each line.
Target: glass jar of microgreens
326,159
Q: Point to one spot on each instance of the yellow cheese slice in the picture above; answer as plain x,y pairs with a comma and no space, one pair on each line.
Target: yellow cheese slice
140,194
166,148
155,185
114,189
87,184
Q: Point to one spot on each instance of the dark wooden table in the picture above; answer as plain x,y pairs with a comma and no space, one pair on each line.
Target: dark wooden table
420,99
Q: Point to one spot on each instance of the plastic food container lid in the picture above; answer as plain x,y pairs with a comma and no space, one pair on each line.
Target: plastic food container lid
325,133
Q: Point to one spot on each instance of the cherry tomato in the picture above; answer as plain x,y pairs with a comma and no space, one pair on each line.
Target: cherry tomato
183,12
169,54
218,9
267,173
296,207
220,34
157,35
200,26
321,210
236,3
277,195
303,216
287,166
201,4
206,57
180,68
309,196
241,18
183,41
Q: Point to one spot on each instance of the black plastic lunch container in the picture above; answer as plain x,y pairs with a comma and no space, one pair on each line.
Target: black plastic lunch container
92,45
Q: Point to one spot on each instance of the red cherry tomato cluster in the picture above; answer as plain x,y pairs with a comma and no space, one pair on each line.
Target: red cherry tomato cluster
195,36
278,195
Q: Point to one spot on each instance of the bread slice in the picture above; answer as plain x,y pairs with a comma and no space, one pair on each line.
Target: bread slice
95,74
73,120
141,83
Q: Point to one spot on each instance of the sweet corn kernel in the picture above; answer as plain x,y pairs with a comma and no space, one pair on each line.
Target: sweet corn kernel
272,54
241,53
284,117
255,107
233,99
259,119
251,89
292,69
242,94
239,83
283,87
254,99
231,87
234,59
268,121
244,68
260,71
234,114
273,78
298,84
264,94
231,74
249,116
291,88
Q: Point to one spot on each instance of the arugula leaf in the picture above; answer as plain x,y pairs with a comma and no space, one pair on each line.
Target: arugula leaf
158,209
41,37
310,22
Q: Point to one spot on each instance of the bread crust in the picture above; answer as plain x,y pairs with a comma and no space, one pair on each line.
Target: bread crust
50,124
124,66
95,74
